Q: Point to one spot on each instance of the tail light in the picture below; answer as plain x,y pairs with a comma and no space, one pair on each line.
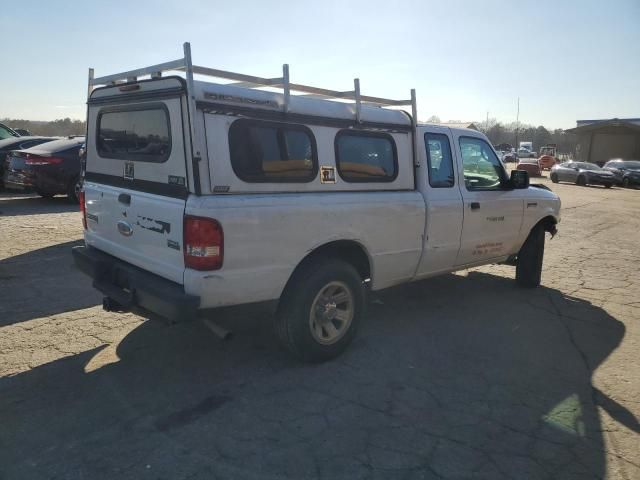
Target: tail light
37,160
203,243
83,208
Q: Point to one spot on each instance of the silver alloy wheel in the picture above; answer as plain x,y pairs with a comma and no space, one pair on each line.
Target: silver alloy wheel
331,313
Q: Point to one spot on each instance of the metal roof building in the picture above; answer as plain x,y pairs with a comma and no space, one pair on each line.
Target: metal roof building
470,125
602,140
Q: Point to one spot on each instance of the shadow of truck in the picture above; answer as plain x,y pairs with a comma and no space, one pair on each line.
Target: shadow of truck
457,376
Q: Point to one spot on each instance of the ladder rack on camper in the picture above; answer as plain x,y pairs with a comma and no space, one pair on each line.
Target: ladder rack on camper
249,81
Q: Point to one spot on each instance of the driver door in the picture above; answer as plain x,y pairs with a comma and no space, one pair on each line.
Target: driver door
492,213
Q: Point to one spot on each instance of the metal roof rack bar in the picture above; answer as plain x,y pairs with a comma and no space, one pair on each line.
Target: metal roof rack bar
248,81
358,99
140,72
241,77
286,86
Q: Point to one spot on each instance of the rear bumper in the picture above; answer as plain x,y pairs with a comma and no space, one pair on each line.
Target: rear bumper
17,181
135,289
36,178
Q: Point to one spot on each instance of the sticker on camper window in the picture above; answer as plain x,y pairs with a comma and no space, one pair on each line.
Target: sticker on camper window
327,175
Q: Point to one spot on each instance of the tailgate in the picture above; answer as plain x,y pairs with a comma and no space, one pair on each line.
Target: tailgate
135,183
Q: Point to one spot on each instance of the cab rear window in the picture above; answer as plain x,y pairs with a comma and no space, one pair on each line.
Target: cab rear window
138,134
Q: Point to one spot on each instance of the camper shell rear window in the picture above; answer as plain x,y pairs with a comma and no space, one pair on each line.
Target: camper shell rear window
136,133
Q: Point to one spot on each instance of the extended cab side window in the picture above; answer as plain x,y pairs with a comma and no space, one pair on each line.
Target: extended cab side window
264,151
439,160
482,169
366,156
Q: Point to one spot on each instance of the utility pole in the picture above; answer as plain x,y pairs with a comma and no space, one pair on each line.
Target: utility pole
517,124
486,125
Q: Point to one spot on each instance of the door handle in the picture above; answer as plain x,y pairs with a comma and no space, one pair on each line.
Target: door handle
475,205
124,198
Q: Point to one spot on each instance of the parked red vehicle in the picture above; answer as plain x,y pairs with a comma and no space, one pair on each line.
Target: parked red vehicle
548,156
530,165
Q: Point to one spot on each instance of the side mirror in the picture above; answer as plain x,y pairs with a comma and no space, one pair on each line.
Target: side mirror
519,179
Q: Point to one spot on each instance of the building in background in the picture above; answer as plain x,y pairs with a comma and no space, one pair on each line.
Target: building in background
470,125
601,140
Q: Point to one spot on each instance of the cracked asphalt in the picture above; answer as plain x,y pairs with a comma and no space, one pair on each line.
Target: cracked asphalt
461,376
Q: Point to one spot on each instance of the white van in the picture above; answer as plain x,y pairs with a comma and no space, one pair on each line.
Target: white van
200,195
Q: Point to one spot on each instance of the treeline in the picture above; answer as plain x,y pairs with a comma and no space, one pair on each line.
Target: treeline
56,128
497,132
500,133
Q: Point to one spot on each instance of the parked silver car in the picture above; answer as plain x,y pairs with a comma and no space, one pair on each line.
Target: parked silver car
582,173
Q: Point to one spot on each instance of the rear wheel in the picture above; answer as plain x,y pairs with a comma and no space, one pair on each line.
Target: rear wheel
320,310
529,263
554,177
582,181
626,183
73,190
607,185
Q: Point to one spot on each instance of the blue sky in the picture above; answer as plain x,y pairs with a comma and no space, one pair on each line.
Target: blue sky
566,60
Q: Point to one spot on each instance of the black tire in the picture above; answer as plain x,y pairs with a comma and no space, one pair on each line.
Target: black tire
293,322
554,178
582,181
73,190
626,183
607,185
529,263
44,194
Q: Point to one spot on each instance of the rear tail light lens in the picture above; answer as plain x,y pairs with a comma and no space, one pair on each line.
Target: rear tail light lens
36,160
83,208
203,243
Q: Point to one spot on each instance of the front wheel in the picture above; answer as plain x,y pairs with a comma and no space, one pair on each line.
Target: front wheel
582,181
554,178
607,185
320,310
626,183
529,263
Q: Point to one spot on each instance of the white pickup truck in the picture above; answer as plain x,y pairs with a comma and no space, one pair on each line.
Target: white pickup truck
200,195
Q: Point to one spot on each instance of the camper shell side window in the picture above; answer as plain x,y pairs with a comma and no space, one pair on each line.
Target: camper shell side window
274,152
364,156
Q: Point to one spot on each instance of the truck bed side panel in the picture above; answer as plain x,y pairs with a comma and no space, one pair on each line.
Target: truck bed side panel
266,236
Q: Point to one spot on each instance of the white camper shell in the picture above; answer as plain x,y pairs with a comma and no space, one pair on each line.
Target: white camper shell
200,195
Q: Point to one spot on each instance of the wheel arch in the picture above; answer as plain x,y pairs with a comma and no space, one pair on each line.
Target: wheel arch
549,223
350,251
